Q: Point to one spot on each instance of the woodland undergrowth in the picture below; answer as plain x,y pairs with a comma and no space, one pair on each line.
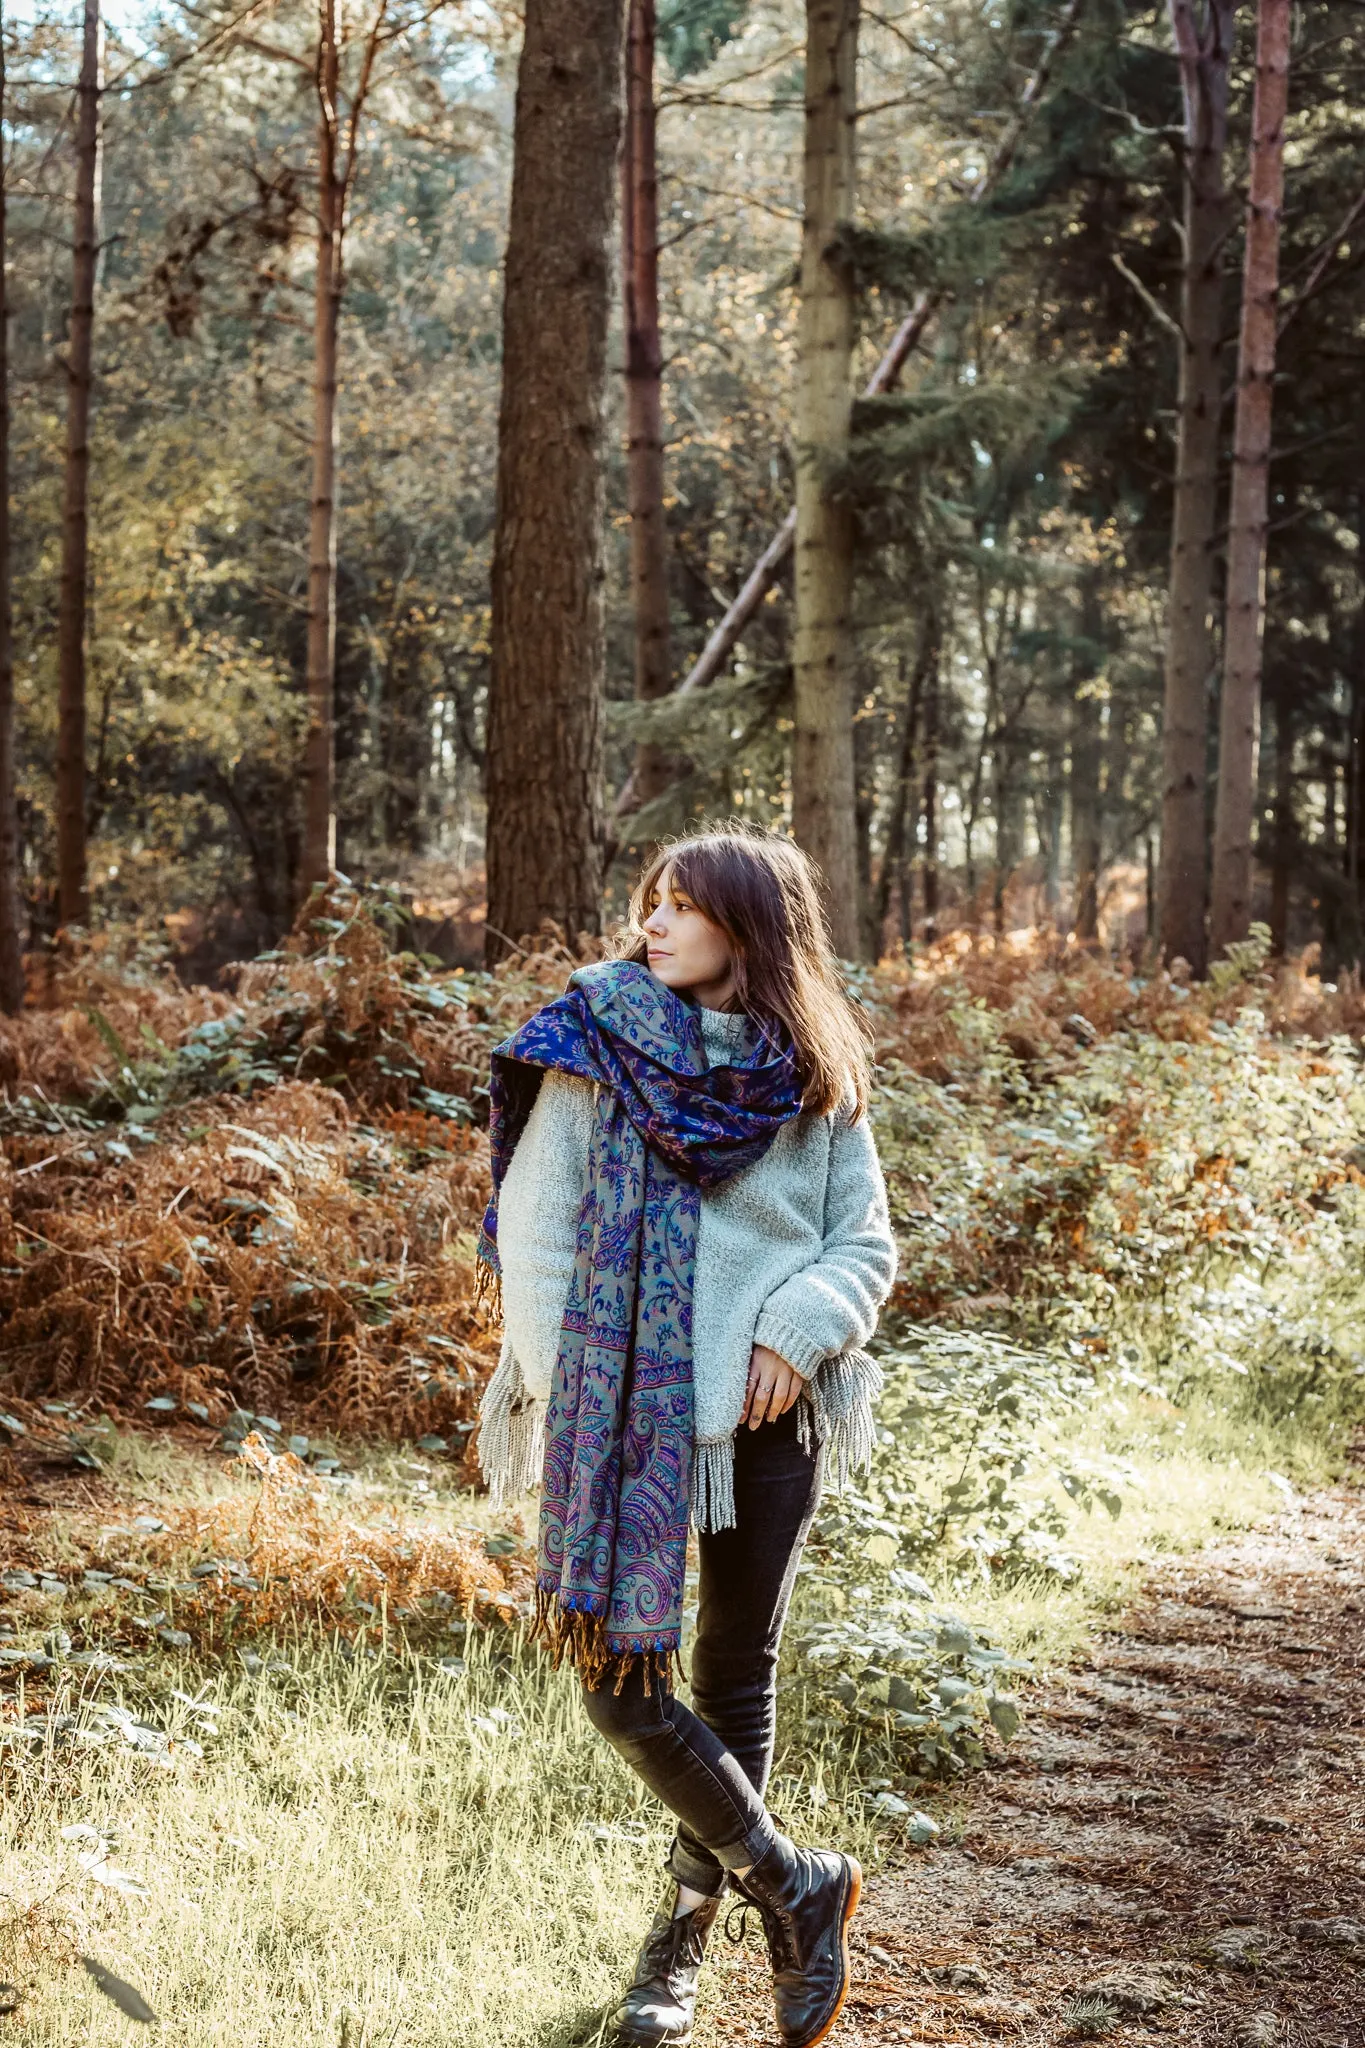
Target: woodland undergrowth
249,1218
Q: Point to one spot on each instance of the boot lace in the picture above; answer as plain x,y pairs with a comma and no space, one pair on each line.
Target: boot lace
680,1940
781,1948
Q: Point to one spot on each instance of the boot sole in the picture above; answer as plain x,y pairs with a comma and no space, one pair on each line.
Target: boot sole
855,1892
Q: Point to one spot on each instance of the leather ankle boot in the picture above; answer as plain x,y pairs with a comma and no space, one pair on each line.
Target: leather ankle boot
807,1898
656,2010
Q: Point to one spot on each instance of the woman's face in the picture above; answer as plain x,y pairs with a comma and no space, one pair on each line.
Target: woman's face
686,951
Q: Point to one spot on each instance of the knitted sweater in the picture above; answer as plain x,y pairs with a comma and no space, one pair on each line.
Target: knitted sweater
795,1252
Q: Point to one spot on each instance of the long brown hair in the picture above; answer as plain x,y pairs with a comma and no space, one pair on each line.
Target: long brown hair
761,890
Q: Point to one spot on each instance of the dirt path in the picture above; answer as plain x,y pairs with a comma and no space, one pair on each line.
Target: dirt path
1175,1846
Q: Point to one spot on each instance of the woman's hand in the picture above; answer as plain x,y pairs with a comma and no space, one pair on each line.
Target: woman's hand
773,1387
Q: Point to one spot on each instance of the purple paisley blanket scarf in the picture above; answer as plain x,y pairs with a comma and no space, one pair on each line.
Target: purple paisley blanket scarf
619,1425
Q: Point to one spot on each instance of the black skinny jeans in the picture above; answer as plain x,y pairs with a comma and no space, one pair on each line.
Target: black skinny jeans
710,1762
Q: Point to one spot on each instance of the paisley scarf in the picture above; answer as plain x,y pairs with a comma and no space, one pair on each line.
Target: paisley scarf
619,1426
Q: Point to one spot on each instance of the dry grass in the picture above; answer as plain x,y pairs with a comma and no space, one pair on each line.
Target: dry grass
282,1219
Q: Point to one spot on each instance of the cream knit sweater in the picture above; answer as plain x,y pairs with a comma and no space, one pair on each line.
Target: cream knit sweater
795,1252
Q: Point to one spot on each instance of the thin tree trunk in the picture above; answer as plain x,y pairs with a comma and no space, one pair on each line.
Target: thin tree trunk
1086,746
1240,716
11,946
1353,859
73,902
1283,869
900,829
1204,47
655,768
546,829
1048,813
1085,816
822,663
864,811
1007,803
318,855
930,801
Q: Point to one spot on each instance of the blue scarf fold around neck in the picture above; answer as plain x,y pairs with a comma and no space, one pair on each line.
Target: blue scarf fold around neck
619,1426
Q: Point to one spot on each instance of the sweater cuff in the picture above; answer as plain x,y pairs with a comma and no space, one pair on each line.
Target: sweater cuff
789,1341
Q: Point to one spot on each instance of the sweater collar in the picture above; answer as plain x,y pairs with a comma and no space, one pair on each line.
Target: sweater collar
722,1032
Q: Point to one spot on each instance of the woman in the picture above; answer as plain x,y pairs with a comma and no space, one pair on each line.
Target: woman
690,1227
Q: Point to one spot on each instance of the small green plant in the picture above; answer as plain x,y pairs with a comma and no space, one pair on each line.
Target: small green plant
1089,2019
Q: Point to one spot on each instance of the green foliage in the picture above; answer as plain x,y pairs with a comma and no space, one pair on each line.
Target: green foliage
692,32
1177,1211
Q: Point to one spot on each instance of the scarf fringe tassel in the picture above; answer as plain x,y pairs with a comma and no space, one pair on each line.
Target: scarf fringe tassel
568,1633
511,1433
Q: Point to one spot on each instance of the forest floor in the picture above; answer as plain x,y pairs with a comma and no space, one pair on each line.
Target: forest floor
1175,1845
1173,1848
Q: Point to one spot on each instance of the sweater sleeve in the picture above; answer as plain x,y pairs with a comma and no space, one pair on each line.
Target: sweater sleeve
832,1304
538,1207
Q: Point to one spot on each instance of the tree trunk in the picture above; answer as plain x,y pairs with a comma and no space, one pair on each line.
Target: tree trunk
73,902
864,811
318,854
822,748
1353,860
904,817
1234,823
1087,828
930,801
546,828
655,768
1008,804
1048,815
1204,47
11,945
1283,869
1085,816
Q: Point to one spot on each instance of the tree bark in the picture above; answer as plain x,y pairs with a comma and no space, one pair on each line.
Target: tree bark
822,747
11,945
1282,872
655,768
73,901
318,853
1085,816
1204,47
1234,822
904,817
930,800
546,829
1086,751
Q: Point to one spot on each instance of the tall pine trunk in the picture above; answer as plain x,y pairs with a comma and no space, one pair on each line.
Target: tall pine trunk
318,853
11,946
932,704
73,902
822,751
546,828
1353,863
904,817
1085,816
1234,825
654,767
1087,828
1282,871
1203,31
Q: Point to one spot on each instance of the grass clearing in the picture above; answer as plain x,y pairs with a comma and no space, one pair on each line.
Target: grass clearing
374,1849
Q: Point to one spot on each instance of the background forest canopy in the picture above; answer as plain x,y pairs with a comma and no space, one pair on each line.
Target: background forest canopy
1011,501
